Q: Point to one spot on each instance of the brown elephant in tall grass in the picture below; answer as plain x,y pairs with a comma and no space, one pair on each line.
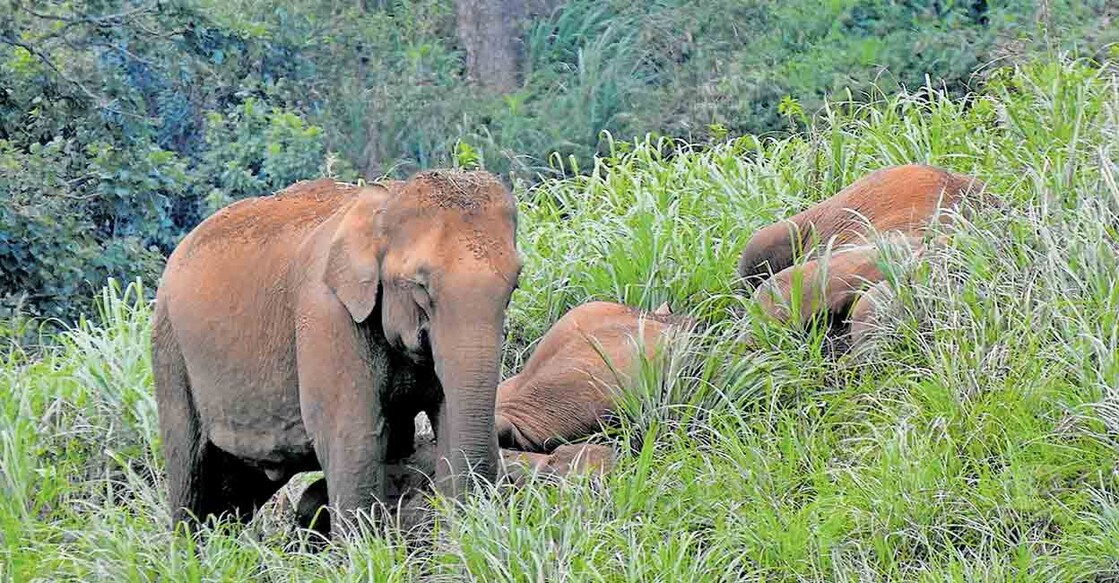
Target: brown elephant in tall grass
840,241
905,199
307,329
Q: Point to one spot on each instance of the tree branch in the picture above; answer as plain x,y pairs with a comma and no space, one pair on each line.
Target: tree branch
105,19
101,101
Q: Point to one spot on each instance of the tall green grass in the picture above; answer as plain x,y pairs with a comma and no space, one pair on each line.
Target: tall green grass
978,438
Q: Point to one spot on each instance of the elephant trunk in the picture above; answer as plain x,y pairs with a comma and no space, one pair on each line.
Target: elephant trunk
466,361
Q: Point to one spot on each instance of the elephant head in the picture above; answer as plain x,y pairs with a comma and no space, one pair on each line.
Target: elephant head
439,258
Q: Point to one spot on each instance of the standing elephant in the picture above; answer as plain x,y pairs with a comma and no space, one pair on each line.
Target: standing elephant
898,198
567,388
307,329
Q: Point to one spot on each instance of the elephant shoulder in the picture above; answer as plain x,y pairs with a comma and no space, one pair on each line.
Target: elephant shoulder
897,188
589,329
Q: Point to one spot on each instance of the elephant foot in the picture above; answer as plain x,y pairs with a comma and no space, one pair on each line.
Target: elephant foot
407,482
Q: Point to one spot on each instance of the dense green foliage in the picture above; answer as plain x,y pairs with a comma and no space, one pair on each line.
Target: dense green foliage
977,442
122,124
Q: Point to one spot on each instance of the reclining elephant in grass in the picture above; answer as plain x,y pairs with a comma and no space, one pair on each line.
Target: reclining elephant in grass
569,385
307,329
904,199
899,202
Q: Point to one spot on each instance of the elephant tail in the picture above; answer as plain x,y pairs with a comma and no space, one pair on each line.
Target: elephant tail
179,424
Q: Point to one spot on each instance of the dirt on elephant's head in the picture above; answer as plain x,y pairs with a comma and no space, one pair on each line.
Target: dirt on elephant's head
465,218
459,190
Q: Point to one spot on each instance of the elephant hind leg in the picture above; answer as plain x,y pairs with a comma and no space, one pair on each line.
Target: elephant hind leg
202,480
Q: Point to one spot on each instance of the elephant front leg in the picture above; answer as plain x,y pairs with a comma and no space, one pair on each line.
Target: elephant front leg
353,462
341,377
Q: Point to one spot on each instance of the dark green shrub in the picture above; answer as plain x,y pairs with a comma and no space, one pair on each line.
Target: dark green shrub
113,134
122,125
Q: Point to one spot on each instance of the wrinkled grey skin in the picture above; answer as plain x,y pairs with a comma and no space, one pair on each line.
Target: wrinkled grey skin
306,330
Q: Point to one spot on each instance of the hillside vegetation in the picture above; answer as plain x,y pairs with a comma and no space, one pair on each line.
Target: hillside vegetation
979,441
123,124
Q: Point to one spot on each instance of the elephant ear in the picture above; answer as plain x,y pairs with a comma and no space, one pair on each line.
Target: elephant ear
353,269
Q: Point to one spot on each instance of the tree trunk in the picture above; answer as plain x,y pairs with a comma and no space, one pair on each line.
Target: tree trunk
491,32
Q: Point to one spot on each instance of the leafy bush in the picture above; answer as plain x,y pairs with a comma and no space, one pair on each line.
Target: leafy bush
57,236
252,151
106,153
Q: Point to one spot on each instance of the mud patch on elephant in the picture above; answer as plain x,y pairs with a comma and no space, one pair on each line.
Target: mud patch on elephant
453,189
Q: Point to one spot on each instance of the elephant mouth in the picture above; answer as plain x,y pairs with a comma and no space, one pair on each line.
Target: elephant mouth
420,354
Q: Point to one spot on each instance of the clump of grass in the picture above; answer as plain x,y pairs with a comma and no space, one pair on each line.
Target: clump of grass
976,440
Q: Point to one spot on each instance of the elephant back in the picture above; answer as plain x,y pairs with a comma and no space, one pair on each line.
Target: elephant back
902,199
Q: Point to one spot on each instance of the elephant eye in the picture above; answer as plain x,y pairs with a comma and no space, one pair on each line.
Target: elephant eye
420,295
